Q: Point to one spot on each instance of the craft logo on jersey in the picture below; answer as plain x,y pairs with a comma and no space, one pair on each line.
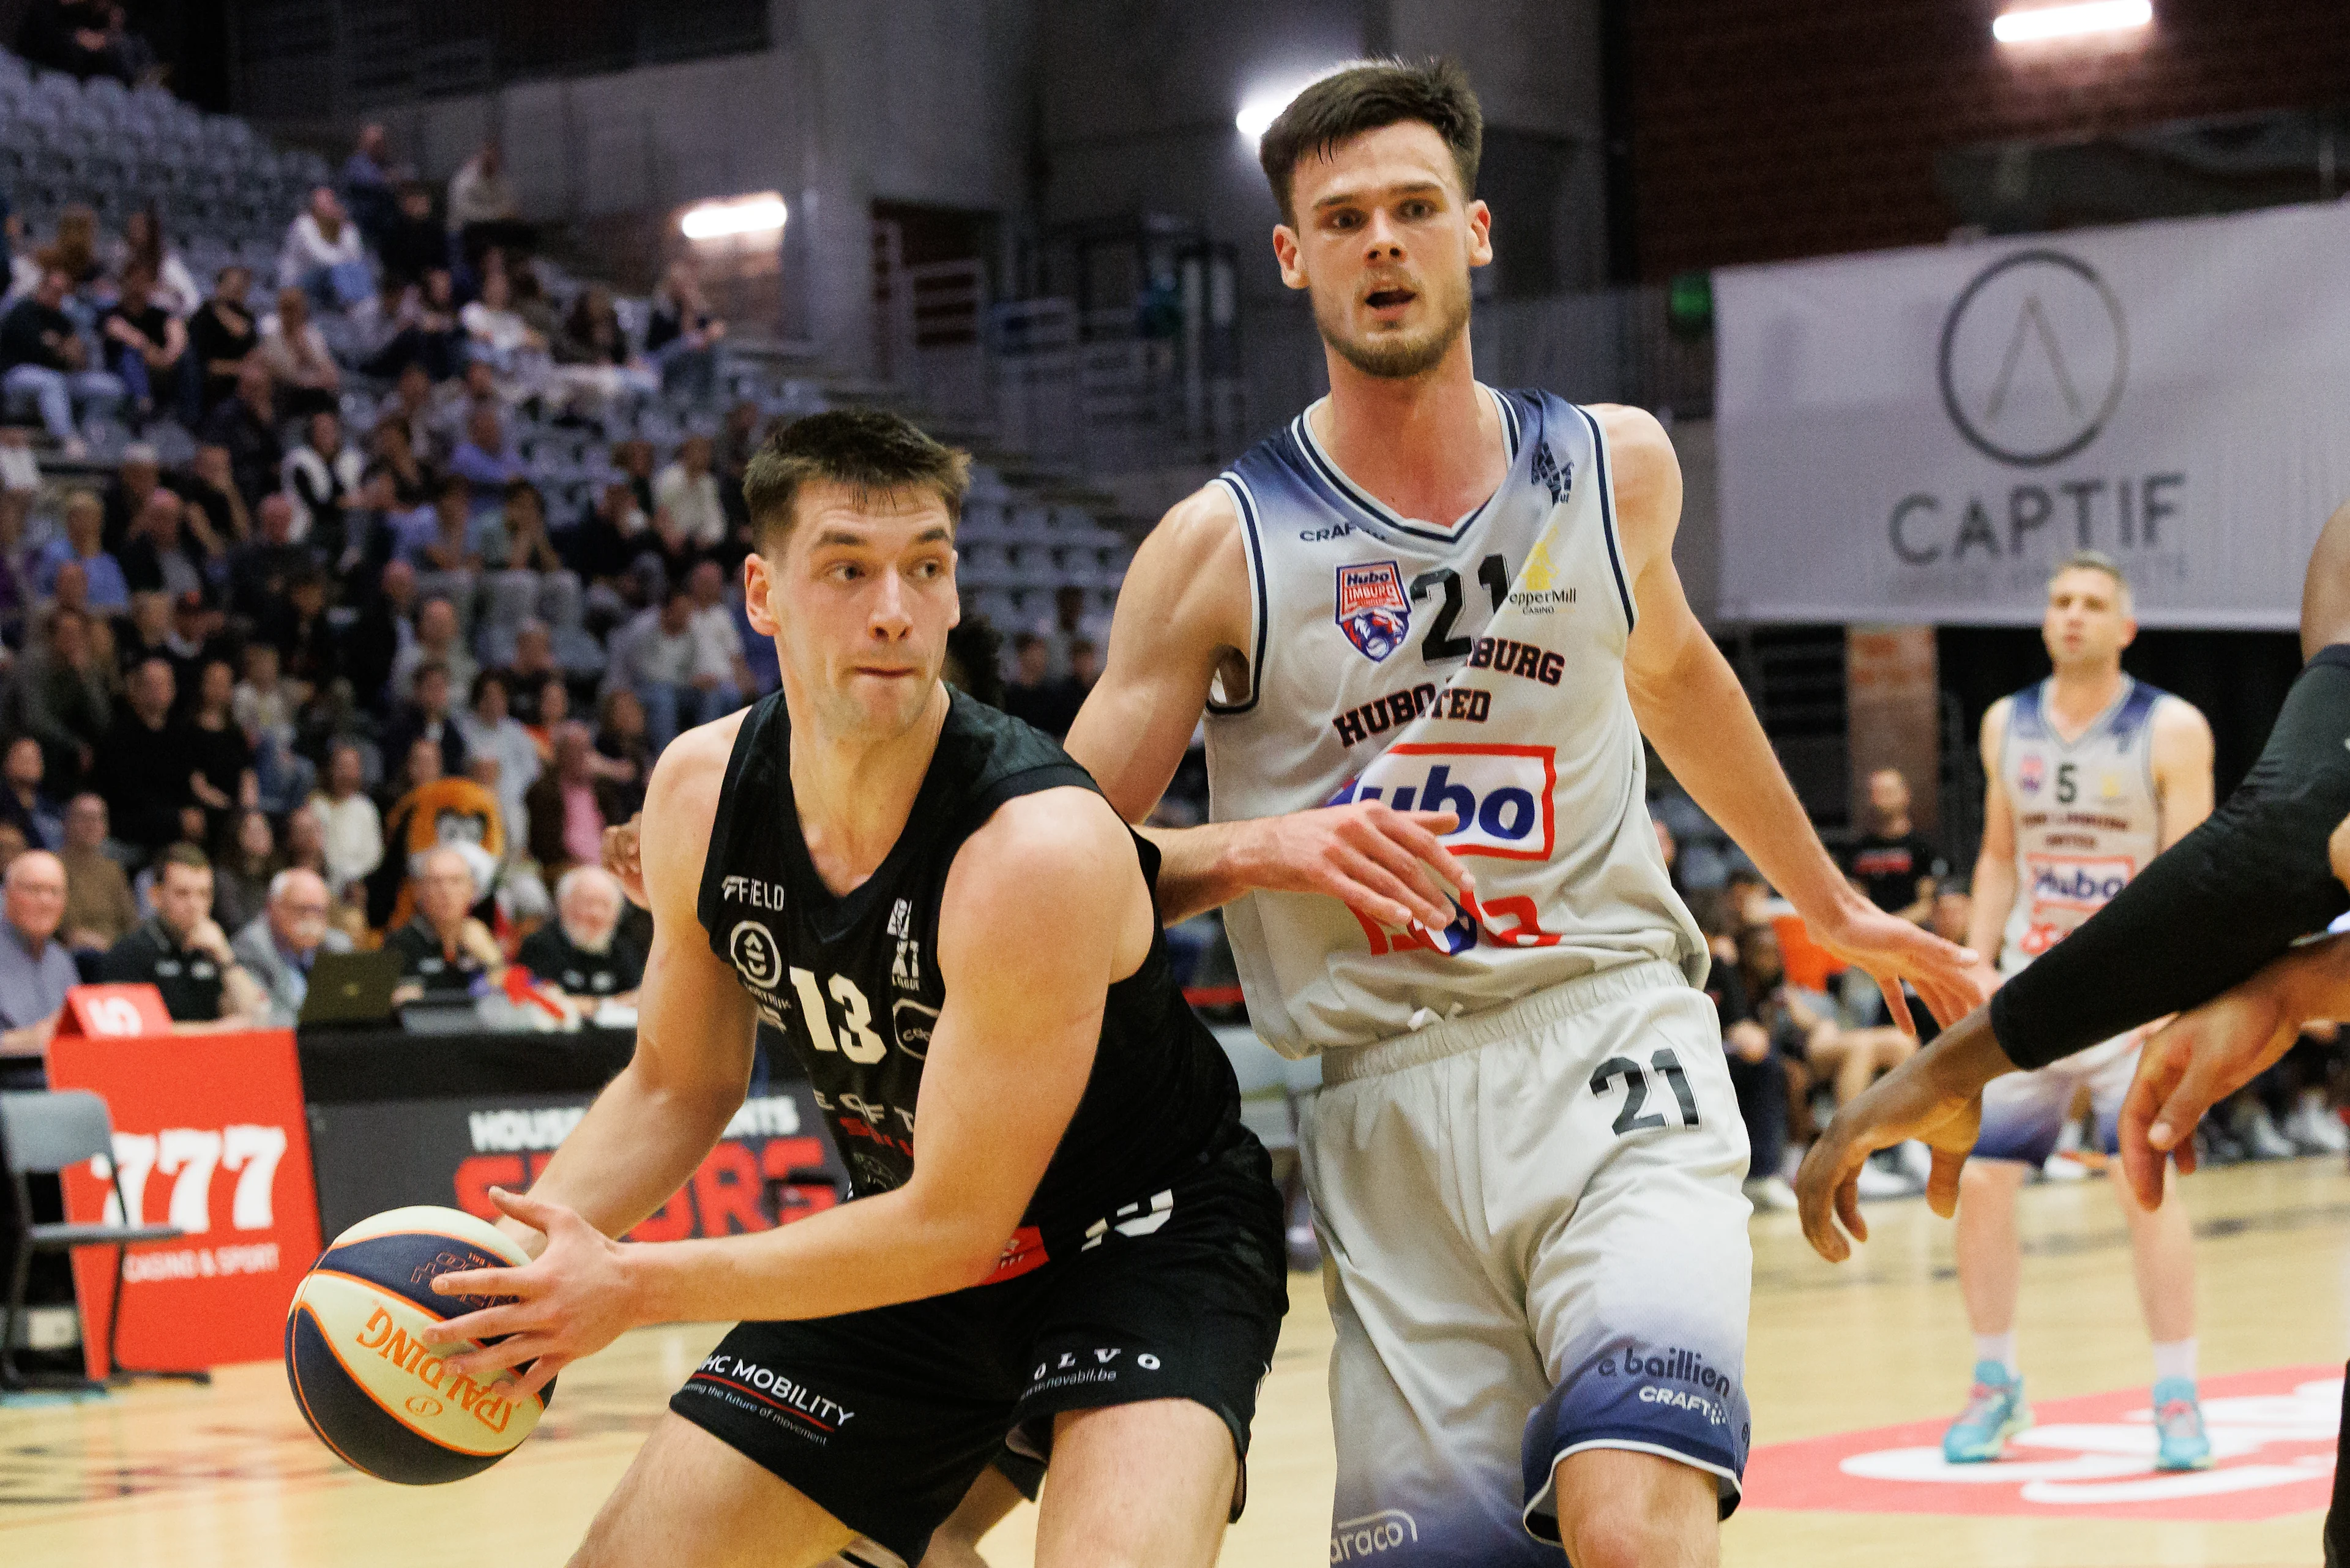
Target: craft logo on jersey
1373,610
1499,795
2033,774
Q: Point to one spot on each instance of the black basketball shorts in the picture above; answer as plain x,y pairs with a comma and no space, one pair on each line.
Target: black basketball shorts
883,1418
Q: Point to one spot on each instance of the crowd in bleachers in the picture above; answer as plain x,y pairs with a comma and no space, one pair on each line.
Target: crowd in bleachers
336,527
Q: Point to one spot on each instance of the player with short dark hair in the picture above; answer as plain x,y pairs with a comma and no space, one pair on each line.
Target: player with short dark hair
1060,1230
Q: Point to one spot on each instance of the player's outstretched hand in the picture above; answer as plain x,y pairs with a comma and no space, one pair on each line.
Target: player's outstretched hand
1936,1096
571,1301
622,842
2191,1064
1951,979
1389,867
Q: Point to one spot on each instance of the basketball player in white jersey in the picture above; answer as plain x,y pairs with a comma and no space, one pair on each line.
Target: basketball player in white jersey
1428,623
2092,775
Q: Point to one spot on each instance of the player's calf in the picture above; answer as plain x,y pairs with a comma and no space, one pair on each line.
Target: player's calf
1621,1508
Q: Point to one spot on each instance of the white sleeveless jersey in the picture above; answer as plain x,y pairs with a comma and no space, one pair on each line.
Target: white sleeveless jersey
2087,818
1476,668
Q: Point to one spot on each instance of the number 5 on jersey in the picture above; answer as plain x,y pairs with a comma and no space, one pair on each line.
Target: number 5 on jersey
856,1039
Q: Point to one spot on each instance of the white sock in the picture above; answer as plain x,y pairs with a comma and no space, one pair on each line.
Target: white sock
2001,1348
2176,1359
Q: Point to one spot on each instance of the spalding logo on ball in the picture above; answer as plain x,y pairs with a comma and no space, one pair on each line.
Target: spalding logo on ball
367,1383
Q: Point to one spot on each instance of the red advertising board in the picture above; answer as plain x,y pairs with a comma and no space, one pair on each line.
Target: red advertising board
209,1135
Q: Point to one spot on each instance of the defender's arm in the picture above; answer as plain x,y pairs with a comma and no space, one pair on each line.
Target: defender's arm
1008,1063
1184,616
1690,706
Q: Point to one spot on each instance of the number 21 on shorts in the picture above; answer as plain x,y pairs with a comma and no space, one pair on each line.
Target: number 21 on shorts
1666,1065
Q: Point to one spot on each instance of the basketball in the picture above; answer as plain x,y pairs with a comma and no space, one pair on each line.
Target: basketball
361,1373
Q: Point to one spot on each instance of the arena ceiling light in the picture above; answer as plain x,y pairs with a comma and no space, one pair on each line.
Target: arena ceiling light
1263,106
2033,26
760,214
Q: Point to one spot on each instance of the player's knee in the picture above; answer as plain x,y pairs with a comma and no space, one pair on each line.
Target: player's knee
1628,1534
1624,1509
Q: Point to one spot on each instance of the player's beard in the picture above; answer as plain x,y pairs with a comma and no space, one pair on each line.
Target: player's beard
1398,356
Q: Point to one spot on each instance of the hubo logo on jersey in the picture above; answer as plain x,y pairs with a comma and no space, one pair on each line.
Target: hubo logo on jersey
2033,357
1372,607
1501,795
2082,881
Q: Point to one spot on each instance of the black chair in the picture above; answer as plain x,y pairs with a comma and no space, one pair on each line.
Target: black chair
43,1134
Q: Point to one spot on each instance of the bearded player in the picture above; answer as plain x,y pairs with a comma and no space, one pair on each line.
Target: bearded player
2092,775
1058,1231
1428,623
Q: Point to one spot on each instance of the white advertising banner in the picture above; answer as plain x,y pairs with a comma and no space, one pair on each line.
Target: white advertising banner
1920,435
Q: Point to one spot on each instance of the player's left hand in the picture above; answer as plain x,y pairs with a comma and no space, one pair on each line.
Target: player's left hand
2198,1060
570,1302
1951,979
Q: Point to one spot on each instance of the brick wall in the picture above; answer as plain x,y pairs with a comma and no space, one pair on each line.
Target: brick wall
1764,130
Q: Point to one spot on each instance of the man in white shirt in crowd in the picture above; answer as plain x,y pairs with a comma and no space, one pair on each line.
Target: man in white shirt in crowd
660,662
688,490
279,946
353,826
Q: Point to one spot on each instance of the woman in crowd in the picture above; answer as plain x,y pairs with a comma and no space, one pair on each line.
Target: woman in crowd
414,480
224,780
241,870
222,332
143,244
625,741
681,335
308,380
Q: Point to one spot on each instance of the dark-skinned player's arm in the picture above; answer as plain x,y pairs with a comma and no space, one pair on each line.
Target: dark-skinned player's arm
1008,1063
1690,706
657,1120
1184,613
1936,1096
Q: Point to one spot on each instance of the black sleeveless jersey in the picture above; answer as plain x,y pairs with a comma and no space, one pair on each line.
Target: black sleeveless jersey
853,983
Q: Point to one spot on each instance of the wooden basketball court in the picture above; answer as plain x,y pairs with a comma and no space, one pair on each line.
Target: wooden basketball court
229,1475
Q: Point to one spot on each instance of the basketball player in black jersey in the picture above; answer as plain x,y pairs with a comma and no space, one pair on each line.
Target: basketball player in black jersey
1060,1231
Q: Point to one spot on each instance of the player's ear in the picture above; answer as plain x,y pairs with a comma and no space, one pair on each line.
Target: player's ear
758,588
1480,234
1286,251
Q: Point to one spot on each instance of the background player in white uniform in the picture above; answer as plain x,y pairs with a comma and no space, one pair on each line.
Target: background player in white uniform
2091,774
1429,608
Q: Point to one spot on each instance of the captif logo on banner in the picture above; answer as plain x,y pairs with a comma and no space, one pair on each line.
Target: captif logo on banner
2034,354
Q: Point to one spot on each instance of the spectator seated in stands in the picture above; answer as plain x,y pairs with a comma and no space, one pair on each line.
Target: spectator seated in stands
221,775
658,656
100,905
593,366
59,696
499,337
681,334
1031,695
688,490
279,946
485,459
437,641
144,246
718,640
261,570
1803,1028
102,580
181,951
246,425
35,970
159,556
424,332
583,954
521,542
325,257
482,211
322,479
625,742
426,715
367,185
445,953
354,826
222,334
21,803
493,736
573,800
392,451
307,379
146,348
209,486
44,361
414,245
241,870
144,764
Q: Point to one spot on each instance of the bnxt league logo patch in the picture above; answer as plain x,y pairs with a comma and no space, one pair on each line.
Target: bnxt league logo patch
1372,609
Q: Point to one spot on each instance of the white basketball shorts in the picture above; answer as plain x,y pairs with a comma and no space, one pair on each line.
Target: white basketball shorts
1534,1244
2023,1112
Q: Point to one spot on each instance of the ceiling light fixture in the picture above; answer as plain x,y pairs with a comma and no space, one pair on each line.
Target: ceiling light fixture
762,214
2033,26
